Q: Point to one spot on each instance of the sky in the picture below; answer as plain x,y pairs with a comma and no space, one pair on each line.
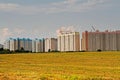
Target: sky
42,18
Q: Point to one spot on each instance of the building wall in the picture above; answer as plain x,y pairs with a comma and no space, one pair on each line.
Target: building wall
42,43
50,43
84,41
76,41
62,43
7,44
54,44
17,44
47,45
33,46
69,41
12,45
59,43
38,45
118,40
30,45
106,41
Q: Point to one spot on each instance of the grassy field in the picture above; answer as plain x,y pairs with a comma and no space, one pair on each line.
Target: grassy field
60,66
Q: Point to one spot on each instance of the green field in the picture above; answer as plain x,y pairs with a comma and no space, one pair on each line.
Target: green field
60,66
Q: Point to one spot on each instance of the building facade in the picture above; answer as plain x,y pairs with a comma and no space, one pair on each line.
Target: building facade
18,44
106,41
38,45
69,41
50,44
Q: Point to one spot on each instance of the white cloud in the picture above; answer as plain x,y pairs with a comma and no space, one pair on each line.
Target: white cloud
8,7
75,5
4,34
56,7
7,33
18,32
65,2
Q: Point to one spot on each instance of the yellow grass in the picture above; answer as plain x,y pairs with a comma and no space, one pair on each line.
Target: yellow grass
60,66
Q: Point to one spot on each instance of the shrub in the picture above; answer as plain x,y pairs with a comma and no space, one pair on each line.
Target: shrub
99,50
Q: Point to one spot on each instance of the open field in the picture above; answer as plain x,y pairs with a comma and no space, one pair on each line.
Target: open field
61,66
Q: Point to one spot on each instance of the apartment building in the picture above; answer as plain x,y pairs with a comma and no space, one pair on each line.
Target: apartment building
16,44
38,45
50,44
69,41
106,41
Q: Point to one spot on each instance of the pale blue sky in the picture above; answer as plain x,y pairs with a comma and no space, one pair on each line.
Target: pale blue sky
41,18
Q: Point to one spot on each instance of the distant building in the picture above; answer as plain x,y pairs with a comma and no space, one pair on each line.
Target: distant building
38,45
13,46
1,46
17,44
106,41
68,41
50,44
7,44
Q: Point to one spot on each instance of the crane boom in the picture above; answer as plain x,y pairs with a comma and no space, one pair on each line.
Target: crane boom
93,28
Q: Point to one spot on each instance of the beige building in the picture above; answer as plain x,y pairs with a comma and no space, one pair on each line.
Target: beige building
50,44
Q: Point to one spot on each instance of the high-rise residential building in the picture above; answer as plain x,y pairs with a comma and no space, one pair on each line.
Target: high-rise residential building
50,44
38,45
12,44
7,44
106,41
17,44
68,41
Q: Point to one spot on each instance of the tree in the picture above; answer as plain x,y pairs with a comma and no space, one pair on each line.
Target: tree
1,49
99,50
49,50
22,49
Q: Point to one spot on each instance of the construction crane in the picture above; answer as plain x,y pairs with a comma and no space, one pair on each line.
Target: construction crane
93,28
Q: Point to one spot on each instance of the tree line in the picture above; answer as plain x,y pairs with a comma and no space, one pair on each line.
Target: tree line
7,51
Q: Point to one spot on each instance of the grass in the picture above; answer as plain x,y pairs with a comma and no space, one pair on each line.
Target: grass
60,66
